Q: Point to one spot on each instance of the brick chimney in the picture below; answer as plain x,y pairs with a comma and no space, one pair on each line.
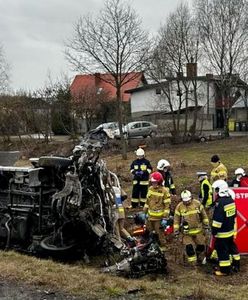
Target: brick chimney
191,69
97,79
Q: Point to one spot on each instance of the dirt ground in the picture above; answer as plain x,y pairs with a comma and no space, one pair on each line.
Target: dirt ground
17,291
194,284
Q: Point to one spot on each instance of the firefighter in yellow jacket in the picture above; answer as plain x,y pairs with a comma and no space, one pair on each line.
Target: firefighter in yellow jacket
219,171
191,218
157,205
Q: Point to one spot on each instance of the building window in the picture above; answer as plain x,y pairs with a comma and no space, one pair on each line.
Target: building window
158,91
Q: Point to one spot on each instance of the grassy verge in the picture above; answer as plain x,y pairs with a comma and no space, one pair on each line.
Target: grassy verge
82,280
182,283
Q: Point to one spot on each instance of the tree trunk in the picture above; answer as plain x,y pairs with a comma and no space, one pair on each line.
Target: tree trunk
120,122
225,116
186,113
195,115
246,105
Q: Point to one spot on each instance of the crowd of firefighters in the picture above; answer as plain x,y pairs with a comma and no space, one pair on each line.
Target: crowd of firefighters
214,214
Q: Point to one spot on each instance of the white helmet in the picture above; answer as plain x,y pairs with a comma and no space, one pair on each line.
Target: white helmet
220,183
140,152
163,163
186,195
232,194
222,186
239,171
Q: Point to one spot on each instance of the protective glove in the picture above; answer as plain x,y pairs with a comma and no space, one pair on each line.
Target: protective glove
163,223
170,221
139,173
185,227
207,230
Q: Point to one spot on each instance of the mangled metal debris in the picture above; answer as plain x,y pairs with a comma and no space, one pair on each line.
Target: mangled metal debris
143,258
59,204
67,205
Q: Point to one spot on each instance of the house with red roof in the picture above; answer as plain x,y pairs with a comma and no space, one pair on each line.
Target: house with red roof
94,96
105,83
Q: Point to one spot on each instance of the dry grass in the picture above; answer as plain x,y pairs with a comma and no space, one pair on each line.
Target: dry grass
182,283
187,159
85,281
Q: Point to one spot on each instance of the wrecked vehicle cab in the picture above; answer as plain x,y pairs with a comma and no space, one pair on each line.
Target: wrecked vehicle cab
59,204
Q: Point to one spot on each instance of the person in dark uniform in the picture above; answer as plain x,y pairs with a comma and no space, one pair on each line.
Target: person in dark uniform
163,167
241,179
140,169
223,229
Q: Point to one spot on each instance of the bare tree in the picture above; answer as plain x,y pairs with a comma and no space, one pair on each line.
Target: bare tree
112,42
87,103
4,72
224,36
177,44
13,112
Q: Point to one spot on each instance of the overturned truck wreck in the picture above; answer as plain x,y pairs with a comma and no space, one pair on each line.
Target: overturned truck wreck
59,204
66,206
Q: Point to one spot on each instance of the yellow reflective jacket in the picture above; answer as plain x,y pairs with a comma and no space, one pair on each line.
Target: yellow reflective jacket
193,214
206,193
218,172
157,203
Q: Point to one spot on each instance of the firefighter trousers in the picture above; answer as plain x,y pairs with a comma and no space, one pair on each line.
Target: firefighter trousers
155,225
139,195
227,251
194,247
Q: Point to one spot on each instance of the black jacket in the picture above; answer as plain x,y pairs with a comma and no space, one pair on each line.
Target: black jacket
141,168
168,181
223,224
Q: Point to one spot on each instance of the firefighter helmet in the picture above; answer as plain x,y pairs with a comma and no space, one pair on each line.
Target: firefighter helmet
232,194
156,177
221,187
186,195
201,173
140,152
163,163
220,184
239,171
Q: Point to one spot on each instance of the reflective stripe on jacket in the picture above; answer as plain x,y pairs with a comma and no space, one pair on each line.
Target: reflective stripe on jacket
141,169
157,202
223,225
206,193
193,214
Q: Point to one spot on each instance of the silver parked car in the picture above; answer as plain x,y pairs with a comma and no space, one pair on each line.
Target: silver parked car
110,125
138,128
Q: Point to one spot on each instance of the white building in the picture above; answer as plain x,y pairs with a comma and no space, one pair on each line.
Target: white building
156,102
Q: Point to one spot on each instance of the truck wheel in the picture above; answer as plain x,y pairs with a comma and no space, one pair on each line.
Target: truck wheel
48,244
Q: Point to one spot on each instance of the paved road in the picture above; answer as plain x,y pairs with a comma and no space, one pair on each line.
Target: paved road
10,290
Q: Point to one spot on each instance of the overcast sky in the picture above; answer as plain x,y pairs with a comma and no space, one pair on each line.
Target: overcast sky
33,32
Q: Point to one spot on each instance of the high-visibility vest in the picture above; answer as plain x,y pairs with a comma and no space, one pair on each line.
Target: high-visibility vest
209,201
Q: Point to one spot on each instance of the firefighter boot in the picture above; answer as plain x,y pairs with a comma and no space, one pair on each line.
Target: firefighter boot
219,273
